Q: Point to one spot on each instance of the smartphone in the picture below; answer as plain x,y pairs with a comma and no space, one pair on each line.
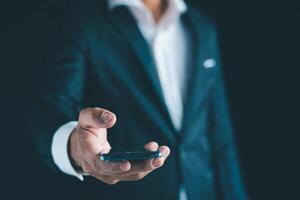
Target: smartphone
130,156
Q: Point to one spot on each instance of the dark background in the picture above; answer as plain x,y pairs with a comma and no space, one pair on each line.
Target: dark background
260,46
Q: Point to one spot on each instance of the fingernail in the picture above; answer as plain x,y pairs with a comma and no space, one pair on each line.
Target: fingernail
106,117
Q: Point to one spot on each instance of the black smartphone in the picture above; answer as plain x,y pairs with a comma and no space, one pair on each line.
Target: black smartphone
130,156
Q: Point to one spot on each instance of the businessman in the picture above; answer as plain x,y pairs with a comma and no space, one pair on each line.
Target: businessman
129,74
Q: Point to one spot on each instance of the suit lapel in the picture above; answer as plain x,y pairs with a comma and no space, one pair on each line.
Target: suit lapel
200,78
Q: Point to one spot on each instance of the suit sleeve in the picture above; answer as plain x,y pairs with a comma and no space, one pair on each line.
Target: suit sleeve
226,167
60,92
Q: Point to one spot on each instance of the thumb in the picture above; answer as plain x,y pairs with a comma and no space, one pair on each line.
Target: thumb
94,118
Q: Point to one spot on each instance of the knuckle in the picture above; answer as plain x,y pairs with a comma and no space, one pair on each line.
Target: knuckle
161,161
84,111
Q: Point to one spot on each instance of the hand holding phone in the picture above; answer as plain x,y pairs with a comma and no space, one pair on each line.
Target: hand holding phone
89,139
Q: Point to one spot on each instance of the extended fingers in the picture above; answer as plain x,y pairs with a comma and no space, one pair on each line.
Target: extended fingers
158,162
149,165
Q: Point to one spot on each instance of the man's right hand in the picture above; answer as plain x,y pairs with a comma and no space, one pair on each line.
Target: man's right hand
89,139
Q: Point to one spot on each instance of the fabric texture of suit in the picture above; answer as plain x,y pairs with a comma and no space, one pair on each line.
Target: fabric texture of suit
102,60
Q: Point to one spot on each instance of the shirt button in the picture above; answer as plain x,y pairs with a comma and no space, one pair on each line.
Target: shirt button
209,63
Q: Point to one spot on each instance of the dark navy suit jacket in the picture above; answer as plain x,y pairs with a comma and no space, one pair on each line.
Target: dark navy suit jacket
102,60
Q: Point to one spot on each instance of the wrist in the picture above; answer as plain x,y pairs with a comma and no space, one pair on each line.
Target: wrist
72,149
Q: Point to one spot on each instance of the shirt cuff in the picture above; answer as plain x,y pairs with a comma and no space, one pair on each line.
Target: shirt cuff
59,149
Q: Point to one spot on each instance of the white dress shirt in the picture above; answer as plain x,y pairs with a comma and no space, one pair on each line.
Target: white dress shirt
168,42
